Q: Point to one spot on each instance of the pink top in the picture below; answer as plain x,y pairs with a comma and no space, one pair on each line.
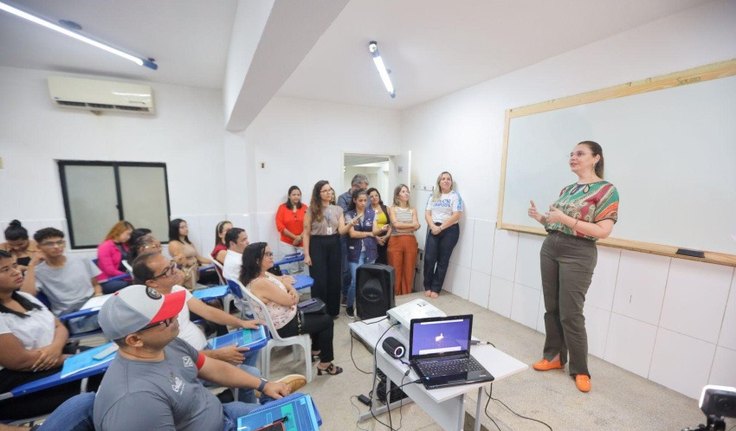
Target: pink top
280,314
108,259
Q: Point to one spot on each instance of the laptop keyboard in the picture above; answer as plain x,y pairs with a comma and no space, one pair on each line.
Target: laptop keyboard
447,367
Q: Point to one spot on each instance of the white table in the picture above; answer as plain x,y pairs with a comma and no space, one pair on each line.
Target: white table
444,405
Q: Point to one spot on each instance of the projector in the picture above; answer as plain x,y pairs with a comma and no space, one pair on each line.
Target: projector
416,309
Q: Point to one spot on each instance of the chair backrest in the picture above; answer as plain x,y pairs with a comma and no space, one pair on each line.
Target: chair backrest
235,288
260,311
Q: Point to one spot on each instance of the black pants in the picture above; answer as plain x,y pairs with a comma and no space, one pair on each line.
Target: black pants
39,403
437,252
326,267
320,329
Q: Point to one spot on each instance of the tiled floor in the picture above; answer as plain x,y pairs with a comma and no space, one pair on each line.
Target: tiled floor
619,399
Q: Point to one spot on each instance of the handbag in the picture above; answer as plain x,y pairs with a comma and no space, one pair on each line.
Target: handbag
312,306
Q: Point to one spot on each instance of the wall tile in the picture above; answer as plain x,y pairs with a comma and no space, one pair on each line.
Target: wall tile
723,371
527,261
603,285
525,305
480,285
696,289
728,327
483,246
501,296
504,254
681,363
596,323
640,286
630,344
463,253
457,279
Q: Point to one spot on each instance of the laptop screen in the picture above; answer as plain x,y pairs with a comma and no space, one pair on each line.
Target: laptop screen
437,336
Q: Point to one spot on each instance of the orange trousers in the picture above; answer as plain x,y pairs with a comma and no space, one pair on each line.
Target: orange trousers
402,255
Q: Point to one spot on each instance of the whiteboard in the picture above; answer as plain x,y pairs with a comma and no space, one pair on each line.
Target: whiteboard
670,148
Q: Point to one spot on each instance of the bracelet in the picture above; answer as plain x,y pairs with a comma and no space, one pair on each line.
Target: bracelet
262,386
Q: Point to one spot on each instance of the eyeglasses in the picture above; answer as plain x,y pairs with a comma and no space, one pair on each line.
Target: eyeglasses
156,245
59,243
579,153
166,322
167,272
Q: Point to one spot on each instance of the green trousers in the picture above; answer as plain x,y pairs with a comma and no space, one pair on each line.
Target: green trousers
567,265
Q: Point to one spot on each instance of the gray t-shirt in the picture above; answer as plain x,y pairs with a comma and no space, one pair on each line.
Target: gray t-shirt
68,287
166,395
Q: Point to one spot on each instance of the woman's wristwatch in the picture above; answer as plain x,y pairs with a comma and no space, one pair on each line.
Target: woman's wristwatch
262,386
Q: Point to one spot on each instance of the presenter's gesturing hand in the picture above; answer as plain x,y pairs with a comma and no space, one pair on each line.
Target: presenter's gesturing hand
555,215
533,213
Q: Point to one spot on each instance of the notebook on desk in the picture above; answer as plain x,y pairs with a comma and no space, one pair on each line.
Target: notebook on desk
439,352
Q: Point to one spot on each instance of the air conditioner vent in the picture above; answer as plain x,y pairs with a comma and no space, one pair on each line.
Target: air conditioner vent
96,95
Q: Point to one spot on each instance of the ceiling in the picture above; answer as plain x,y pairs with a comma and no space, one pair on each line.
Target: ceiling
433,47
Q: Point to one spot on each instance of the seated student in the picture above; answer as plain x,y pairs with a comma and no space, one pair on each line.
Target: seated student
156,272
67,281
236,240
280,299
137,238
33,346
110,256
218,253
182,250
18,244
153,382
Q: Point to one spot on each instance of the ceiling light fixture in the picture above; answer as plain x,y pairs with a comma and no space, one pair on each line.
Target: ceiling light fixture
147,62
373,49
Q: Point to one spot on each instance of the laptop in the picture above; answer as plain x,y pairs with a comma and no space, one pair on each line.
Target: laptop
439,352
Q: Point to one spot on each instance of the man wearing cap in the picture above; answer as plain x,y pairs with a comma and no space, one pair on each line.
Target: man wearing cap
155,271
152,384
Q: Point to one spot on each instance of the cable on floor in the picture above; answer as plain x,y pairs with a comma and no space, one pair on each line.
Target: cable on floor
490,397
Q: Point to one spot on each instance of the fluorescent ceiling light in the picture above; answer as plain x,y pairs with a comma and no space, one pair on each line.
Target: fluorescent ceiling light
50,25
373,49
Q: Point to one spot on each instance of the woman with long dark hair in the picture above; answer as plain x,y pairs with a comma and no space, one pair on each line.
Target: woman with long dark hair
18,245
381,224
220,250
33,346
290,223
280,299
185,254
324,222
584,212
362,246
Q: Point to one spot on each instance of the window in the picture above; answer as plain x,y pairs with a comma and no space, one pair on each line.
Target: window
99,194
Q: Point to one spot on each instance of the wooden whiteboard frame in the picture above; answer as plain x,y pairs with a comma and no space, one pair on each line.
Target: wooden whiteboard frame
699,74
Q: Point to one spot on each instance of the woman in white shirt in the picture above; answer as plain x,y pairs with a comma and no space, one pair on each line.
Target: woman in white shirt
443,212
33,343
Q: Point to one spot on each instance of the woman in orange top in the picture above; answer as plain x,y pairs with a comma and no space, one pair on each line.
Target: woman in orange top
290,223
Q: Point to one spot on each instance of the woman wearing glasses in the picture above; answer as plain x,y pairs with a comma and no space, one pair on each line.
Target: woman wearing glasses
280,299
34,345
324,222
584,212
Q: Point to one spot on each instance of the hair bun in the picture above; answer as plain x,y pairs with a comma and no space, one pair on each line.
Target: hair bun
15,223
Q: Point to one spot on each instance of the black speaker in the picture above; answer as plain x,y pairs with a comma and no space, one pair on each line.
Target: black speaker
374,290
393,347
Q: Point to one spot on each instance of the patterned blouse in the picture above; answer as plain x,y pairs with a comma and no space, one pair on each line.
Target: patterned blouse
586,202
280,314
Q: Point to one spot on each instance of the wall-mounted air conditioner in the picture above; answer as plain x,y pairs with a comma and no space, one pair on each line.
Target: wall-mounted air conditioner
95,95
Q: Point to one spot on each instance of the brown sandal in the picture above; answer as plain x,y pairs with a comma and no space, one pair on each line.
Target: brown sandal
331,369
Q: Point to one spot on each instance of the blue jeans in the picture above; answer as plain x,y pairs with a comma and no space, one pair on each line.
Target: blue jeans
353,269
74,414
232,411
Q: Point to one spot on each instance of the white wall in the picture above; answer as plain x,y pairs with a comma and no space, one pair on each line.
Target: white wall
186,133
669,320
301,142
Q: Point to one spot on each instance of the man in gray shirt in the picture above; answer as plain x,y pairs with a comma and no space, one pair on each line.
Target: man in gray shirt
153,383
68,282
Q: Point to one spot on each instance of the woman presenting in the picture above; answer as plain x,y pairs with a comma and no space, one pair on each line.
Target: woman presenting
584,212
